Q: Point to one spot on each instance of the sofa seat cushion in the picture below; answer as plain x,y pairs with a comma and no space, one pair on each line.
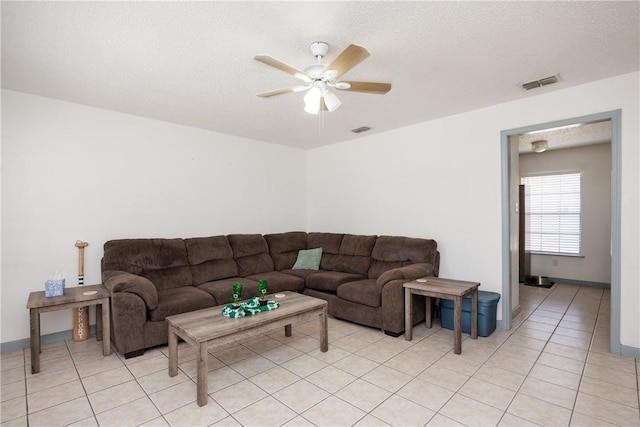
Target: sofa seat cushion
278,282
222,290
301,273
330,280
180,300
361,292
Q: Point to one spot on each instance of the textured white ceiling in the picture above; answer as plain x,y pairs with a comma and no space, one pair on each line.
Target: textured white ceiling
192,62
567,137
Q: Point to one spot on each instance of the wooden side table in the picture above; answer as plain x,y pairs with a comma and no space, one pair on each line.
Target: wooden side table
72,298
434,287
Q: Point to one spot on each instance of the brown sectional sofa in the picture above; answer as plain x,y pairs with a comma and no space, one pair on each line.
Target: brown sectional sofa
360,276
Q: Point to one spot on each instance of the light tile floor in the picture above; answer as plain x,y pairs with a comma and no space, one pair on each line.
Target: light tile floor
553,368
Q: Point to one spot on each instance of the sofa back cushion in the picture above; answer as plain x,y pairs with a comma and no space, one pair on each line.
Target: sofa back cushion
330,244
163,261
392,252
251,253
284,248
211,258
353,256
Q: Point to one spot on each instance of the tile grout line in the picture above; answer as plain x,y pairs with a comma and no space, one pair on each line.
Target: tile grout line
26,379
86,395
282,344
584,367
145,391
506,411
437,412
26,399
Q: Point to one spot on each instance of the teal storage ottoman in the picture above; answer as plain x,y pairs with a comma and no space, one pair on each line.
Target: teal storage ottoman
487,307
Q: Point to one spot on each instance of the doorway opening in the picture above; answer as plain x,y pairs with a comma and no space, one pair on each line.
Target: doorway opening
510,223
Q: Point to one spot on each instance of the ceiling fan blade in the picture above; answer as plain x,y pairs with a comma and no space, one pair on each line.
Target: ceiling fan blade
272,62
367,87
349,58
282,91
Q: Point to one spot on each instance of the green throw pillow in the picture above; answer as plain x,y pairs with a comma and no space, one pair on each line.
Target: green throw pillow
308,259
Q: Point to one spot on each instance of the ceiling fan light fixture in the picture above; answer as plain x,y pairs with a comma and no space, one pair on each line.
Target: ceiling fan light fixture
331,101
539,146
312,100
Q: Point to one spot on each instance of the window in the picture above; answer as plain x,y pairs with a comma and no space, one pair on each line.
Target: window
552,212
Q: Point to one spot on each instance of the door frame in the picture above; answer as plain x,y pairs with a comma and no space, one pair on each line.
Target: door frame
508,218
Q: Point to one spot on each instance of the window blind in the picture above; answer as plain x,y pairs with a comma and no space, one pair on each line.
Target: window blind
553,213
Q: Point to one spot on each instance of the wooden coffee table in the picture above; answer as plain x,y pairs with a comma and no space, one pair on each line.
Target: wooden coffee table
435,287
208,326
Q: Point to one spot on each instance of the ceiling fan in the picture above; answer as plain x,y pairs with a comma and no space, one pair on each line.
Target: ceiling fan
319,78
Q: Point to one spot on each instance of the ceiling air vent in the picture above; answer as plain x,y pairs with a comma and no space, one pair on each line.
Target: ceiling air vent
361,129
540,82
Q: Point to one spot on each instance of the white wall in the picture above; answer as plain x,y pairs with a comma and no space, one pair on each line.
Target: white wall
74,172
442,179
594,161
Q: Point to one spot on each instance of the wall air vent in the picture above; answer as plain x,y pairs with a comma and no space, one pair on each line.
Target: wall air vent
361,129
545,81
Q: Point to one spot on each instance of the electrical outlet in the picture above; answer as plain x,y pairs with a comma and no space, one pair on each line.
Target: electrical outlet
555,262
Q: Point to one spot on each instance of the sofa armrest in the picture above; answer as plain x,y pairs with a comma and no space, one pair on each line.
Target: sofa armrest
121,281
407,273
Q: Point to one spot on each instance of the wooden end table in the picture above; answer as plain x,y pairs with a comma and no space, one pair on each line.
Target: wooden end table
208,326
434,287
72,298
